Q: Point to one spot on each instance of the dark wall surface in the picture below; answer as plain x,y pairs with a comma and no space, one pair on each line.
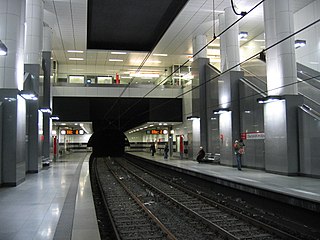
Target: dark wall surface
115,113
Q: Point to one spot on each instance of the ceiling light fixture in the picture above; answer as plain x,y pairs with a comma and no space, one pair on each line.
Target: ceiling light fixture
145,75
243,35
299,43
153,61
269,99
115,60
221,110
76,59
191,118
28,95
3,49
75,51
45,110
120,53
160,54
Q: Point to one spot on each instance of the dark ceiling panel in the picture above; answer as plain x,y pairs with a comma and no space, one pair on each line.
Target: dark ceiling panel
133,25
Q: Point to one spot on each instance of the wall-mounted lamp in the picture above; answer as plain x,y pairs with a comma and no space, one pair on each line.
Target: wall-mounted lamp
45,110
55,118
269,99
191,118
27,95
221,110
243,35
3,49
299,43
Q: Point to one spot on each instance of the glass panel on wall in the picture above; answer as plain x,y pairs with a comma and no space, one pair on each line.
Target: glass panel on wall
76,79
104,80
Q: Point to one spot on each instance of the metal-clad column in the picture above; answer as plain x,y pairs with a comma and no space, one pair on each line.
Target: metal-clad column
232,40
12,12
229,122
281,60
199,95
32,60
223,46
280,118
47,100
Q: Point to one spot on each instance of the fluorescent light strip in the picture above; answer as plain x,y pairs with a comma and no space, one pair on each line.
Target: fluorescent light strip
155,61
76,59
120,53
75,51
115,60
160,54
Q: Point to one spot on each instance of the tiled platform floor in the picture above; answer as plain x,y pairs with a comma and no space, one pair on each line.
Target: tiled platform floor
32,209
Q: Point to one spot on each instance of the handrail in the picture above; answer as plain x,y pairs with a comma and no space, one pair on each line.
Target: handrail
214,68
254,75
310,111
253,86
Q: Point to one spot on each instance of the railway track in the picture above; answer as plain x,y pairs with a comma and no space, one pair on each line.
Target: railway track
182,213
130,219
227,222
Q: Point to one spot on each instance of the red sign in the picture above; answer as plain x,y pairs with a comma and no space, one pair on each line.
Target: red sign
243,136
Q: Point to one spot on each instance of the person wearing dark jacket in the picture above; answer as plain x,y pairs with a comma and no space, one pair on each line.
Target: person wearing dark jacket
165,151
153,149
200,155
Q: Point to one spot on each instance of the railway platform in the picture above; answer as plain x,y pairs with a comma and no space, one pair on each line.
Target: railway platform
296,190
55,204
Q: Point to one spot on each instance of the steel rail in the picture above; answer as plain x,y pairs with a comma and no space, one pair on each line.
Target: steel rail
137,200
246,218
215,227
96,174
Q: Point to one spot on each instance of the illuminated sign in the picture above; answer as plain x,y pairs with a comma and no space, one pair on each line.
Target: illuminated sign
157,131
71,132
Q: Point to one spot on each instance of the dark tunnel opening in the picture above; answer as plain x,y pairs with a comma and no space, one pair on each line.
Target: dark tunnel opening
107,142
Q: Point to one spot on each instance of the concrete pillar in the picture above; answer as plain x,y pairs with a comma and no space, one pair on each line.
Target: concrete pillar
47,100
32,59
232,40
13,166
281,61
280,118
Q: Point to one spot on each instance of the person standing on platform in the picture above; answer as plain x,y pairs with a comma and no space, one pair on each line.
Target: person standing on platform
238,151
153,149
165,151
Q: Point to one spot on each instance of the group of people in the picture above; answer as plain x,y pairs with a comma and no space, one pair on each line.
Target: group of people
238,147
165,150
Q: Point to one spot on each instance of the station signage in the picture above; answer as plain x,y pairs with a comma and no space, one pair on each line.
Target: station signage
72,132
157,131
253,136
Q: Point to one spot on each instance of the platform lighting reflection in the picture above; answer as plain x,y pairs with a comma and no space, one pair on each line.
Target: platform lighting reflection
221,110
269,99
191,118
55,118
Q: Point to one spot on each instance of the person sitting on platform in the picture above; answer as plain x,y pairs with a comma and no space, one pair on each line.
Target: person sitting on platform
201,154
